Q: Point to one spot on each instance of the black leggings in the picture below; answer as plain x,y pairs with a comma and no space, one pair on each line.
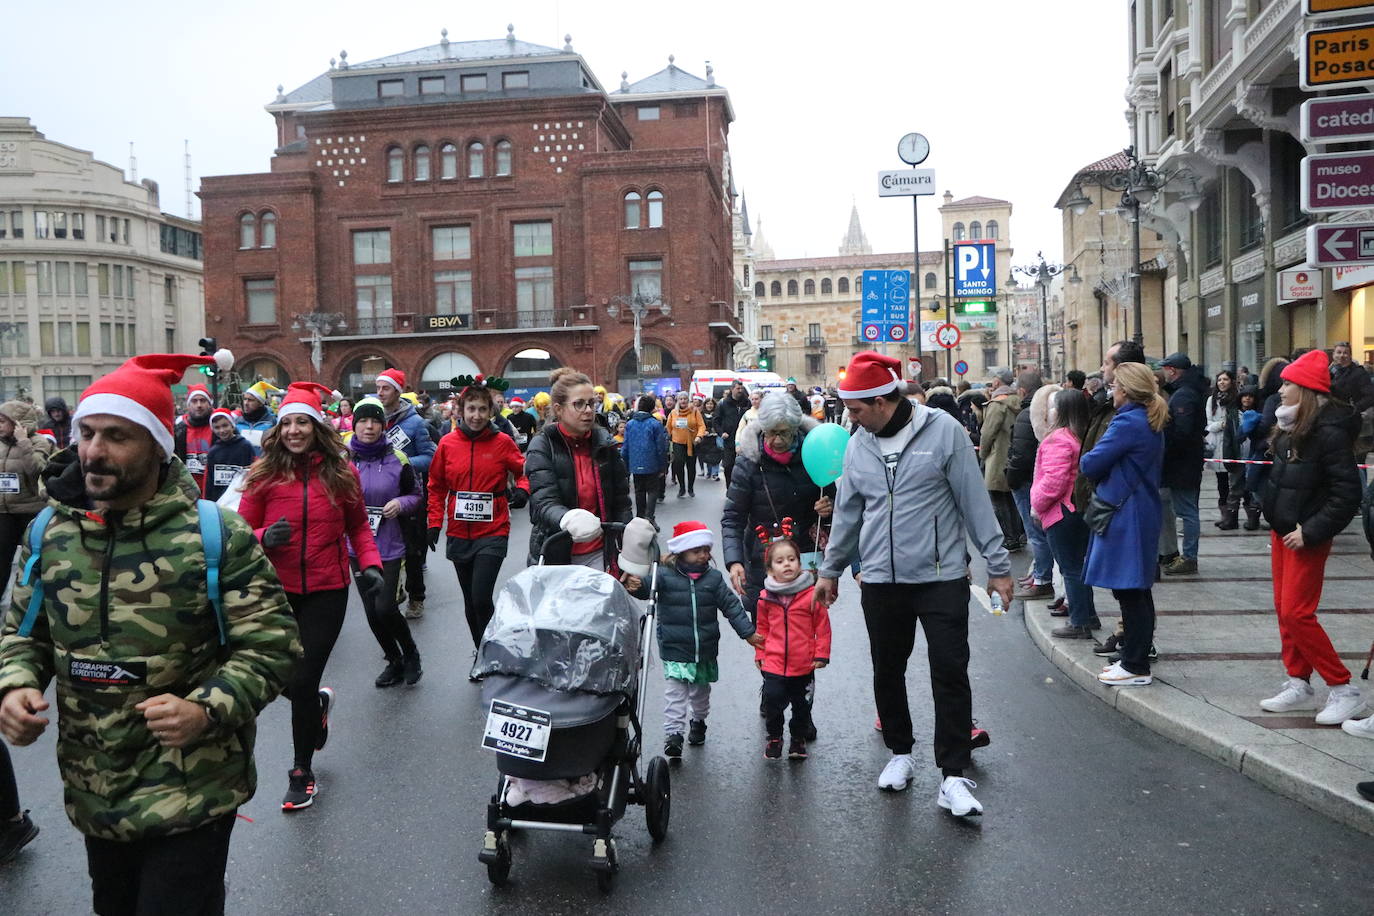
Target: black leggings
1138,617
9,789
12,527
417,550
384,617
477,578
320,617
646,494
684,463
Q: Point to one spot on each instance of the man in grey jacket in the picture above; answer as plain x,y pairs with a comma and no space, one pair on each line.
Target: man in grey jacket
909,500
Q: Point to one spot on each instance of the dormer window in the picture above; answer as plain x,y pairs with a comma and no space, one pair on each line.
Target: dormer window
390,89
475,82
431,85
519,79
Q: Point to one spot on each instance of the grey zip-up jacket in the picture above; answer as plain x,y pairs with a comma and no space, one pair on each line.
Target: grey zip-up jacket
911,524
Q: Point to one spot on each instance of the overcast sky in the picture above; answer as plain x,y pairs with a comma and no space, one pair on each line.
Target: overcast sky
1014,96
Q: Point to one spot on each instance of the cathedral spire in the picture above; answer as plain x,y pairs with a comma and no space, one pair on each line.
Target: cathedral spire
855,242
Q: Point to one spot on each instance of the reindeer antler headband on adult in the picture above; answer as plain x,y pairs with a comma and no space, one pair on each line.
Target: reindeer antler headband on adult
464,382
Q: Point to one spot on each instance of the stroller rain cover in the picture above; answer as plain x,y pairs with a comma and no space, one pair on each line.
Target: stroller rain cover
569,628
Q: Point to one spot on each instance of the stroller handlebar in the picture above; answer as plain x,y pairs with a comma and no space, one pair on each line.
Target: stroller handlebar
561,540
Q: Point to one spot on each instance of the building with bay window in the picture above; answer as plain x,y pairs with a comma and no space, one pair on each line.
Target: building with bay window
481,206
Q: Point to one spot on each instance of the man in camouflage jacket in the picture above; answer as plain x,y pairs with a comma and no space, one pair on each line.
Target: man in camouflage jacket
156,720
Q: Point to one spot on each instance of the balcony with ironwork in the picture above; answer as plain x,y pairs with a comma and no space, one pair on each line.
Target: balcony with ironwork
816,343
477,321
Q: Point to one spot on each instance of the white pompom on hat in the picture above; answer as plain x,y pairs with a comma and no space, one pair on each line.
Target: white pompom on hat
687,535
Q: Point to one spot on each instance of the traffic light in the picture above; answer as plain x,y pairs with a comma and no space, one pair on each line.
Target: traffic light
842,372
208,347
765,360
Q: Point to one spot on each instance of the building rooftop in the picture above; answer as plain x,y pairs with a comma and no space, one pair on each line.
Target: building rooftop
848,262
976,202
671,78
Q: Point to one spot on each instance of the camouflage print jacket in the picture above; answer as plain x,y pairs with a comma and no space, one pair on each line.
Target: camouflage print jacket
127,617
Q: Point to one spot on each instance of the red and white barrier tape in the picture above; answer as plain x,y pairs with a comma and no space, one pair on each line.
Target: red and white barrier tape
1248,461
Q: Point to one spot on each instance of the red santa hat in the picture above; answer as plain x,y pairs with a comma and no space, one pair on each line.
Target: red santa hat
222,412
141,391
393,377
46,434
1311,370
516,402
687,535
306,398
870,374
198,391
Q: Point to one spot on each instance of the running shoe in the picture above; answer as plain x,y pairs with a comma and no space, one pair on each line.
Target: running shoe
796,748
15,835
300,790
981,738
411,667
390,675
772,749
327,699
956,798
696,732
672,747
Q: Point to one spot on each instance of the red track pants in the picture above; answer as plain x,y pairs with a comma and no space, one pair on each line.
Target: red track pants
1298,578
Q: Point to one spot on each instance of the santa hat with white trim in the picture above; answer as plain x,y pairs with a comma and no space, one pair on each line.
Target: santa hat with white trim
393,377
198,391
687,535
141,391
869,375
304,397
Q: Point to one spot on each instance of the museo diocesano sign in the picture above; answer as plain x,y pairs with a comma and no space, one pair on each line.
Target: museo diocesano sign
444,323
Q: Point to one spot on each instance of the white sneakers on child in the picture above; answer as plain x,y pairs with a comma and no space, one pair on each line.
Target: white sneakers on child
1344,703
956,798
898,773
1296,694
1360,728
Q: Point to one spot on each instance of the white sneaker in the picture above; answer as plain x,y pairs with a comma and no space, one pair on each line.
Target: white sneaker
1344,703
1296,694
1117,676
898,773
956,798
1360,728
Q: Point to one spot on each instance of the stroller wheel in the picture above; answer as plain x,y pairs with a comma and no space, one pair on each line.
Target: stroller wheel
658,798
498,866
604,867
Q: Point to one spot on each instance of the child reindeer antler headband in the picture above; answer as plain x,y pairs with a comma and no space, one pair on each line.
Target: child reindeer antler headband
768,535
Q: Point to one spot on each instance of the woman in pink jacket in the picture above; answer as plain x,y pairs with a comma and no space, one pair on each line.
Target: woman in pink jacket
1056,469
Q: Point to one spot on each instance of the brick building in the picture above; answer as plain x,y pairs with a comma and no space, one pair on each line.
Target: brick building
480,206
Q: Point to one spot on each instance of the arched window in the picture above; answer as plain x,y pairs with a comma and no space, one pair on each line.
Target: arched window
826,287
503,157
975,230
791,287
844,284
775,288
809,287
248,231
758,290
476,160
269,230
858,284
958,232
422,163
930,281
655,209
632,210
448,161
991,231
395,164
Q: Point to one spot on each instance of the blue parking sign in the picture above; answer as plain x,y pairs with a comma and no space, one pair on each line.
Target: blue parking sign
975,269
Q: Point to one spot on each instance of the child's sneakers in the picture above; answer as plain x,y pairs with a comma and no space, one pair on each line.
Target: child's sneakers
772,750
796,749
673,746
696,732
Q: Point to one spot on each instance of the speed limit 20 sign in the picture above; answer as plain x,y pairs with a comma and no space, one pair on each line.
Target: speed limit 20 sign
947,336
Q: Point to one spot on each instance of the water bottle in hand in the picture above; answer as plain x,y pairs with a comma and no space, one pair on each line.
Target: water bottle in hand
997,609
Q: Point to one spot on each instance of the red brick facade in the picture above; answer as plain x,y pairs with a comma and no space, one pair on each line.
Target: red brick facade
332,180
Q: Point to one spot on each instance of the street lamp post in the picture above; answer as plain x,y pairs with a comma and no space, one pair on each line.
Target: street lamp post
319,324
638,306
1041,274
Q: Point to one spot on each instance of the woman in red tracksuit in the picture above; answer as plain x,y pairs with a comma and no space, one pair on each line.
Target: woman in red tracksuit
304,501
471,495
796,641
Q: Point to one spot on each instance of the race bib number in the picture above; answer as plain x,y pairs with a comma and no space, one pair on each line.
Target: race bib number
473,507
398,438
374,518
680,423
195,464
521,438
107,674
225,474
9,483
518,731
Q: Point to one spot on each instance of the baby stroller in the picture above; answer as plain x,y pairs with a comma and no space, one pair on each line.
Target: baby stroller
563,667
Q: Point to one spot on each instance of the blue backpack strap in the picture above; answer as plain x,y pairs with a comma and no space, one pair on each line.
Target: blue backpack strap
33,569
212,535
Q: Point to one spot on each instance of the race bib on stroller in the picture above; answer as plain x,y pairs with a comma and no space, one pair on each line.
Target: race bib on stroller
519,731
473,507
9,483
374,518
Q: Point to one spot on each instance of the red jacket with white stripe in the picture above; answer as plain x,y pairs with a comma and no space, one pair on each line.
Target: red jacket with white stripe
795,633
468,477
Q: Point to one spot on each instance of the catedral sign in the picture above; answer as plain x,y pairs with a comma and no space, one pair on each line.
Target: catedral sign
1340,56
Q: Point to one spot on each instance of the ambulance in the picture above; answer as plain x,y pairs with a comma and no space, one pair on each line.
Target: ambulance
715,383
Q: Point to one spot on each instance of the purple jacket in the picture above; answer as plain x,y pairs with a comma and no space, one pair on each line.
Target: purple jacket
386,477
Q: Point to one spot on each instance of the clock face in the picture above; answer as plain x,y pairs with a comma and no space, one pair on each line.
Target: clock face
913,148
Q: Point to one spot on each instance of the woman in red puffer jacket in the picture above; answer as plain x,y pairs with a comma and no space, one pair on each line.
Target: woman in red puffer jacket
305,503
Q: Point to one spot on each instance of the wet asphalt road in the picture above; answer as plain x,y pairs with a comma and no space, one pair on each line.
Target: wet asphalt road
1087,812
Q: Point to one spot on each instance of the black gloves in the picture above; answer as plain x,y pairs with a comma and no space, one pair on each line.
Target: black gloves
517,498
371,583
433,536
277,534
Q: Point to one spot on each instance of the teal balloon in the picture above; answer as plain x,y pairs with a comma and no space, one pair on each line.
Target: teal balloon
823,453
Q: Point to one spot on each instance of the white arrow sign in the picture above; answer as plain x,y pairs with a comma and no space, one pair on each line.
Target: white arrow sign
1336,244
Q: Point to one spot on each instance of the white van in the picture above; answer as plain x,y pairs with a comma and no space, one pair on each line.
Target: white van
715,383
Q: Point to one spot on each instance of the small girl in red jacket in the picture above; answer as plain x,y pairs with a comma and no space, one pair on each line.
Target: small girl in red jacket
796,634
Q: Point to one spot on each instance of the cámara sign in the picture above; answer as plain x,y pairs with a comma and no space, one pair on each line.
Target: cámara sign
906,183
445,323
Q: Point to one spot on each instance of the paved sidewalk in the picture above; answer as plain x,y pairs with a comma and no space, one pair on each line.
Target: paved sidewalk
1219,656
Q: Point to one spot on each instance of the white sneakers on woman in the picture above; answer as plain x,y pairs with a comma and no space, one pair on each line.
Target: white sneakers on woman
1360,728
1296,694
898,773
1344,702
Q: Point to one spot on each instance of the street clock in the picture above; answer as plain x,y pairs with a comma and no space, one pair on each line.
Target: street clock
913,148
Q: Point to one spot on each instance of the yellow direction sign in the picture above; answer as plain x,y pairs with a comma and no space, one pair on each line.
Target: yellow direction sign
1328,7
1337,56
